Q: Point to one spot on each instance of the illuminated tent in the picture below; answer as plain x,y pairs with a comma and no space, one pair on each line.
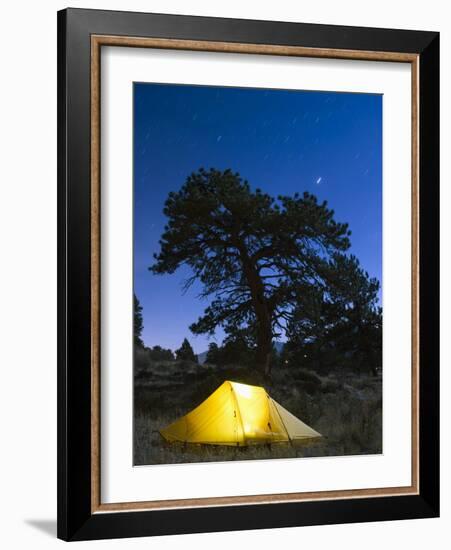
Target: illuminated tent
239,415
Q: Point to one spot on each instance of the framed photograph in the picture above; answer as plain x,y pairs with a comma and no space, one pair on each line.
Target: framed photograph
248,274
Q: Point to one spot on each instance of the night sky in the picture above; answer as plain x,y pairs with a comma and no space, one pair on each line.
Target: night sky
281,141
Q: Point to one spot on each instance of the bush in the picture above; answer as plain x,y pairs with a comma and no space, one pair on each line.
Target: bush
301,375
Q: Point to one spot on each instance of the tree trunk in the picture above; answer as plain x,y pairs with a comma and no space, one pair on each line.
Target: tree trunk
262,313
264,344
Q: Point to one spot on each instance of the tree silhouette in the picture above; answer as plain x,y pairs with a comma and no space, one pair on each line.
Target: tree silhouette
157,353
137,322
212,357
185,352
340,321
233,351
260,258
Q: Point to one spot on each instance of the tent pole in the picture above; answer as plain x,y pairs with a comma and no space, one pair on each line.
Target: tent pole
237,409
283,423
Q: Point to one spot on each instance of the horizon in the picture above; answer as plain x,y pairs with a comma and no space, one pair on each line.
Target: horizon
281,141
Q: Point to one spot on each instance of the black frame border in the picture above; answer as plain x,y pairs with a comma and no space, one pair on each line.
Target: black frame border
75,520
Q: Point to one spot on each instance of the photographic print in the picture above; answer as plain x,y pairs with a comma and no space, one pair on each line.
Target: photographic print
247,274
257,273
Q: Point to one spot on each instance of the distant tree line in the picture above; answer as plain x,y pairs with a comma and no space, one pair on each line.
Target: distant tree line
354,343
157,353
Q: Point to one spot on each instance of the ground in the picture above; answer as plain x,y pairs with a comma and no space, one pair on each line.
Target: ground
346,408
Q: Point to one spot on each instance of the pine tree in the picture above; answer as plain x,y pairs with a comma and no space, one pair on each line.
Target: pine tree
137,322
212,354
185,352
263,260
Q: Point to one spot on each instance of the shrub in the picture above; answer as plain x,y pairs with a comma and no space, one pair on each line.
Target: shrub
301,375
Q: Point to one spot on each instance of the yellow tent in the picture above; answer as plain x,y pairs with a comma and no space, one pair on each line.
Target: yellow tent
238,414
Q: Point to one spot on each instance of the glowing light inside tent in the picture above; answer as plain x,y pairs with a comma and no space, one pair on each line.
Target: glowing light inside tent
244,390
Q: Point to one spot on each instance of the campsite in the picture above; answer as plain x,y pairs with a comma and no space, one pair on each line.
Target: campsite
257,279
345,408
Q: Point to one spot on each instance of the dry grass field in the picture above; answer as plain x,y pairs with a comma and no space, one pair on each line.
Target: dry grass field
346,408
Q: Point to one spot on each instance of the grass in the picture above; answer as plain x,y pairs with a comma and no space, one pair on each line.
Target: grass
344,407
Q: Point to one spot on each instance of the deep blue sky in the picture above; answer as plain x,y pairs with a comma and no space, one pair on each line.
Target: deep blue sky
282,141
